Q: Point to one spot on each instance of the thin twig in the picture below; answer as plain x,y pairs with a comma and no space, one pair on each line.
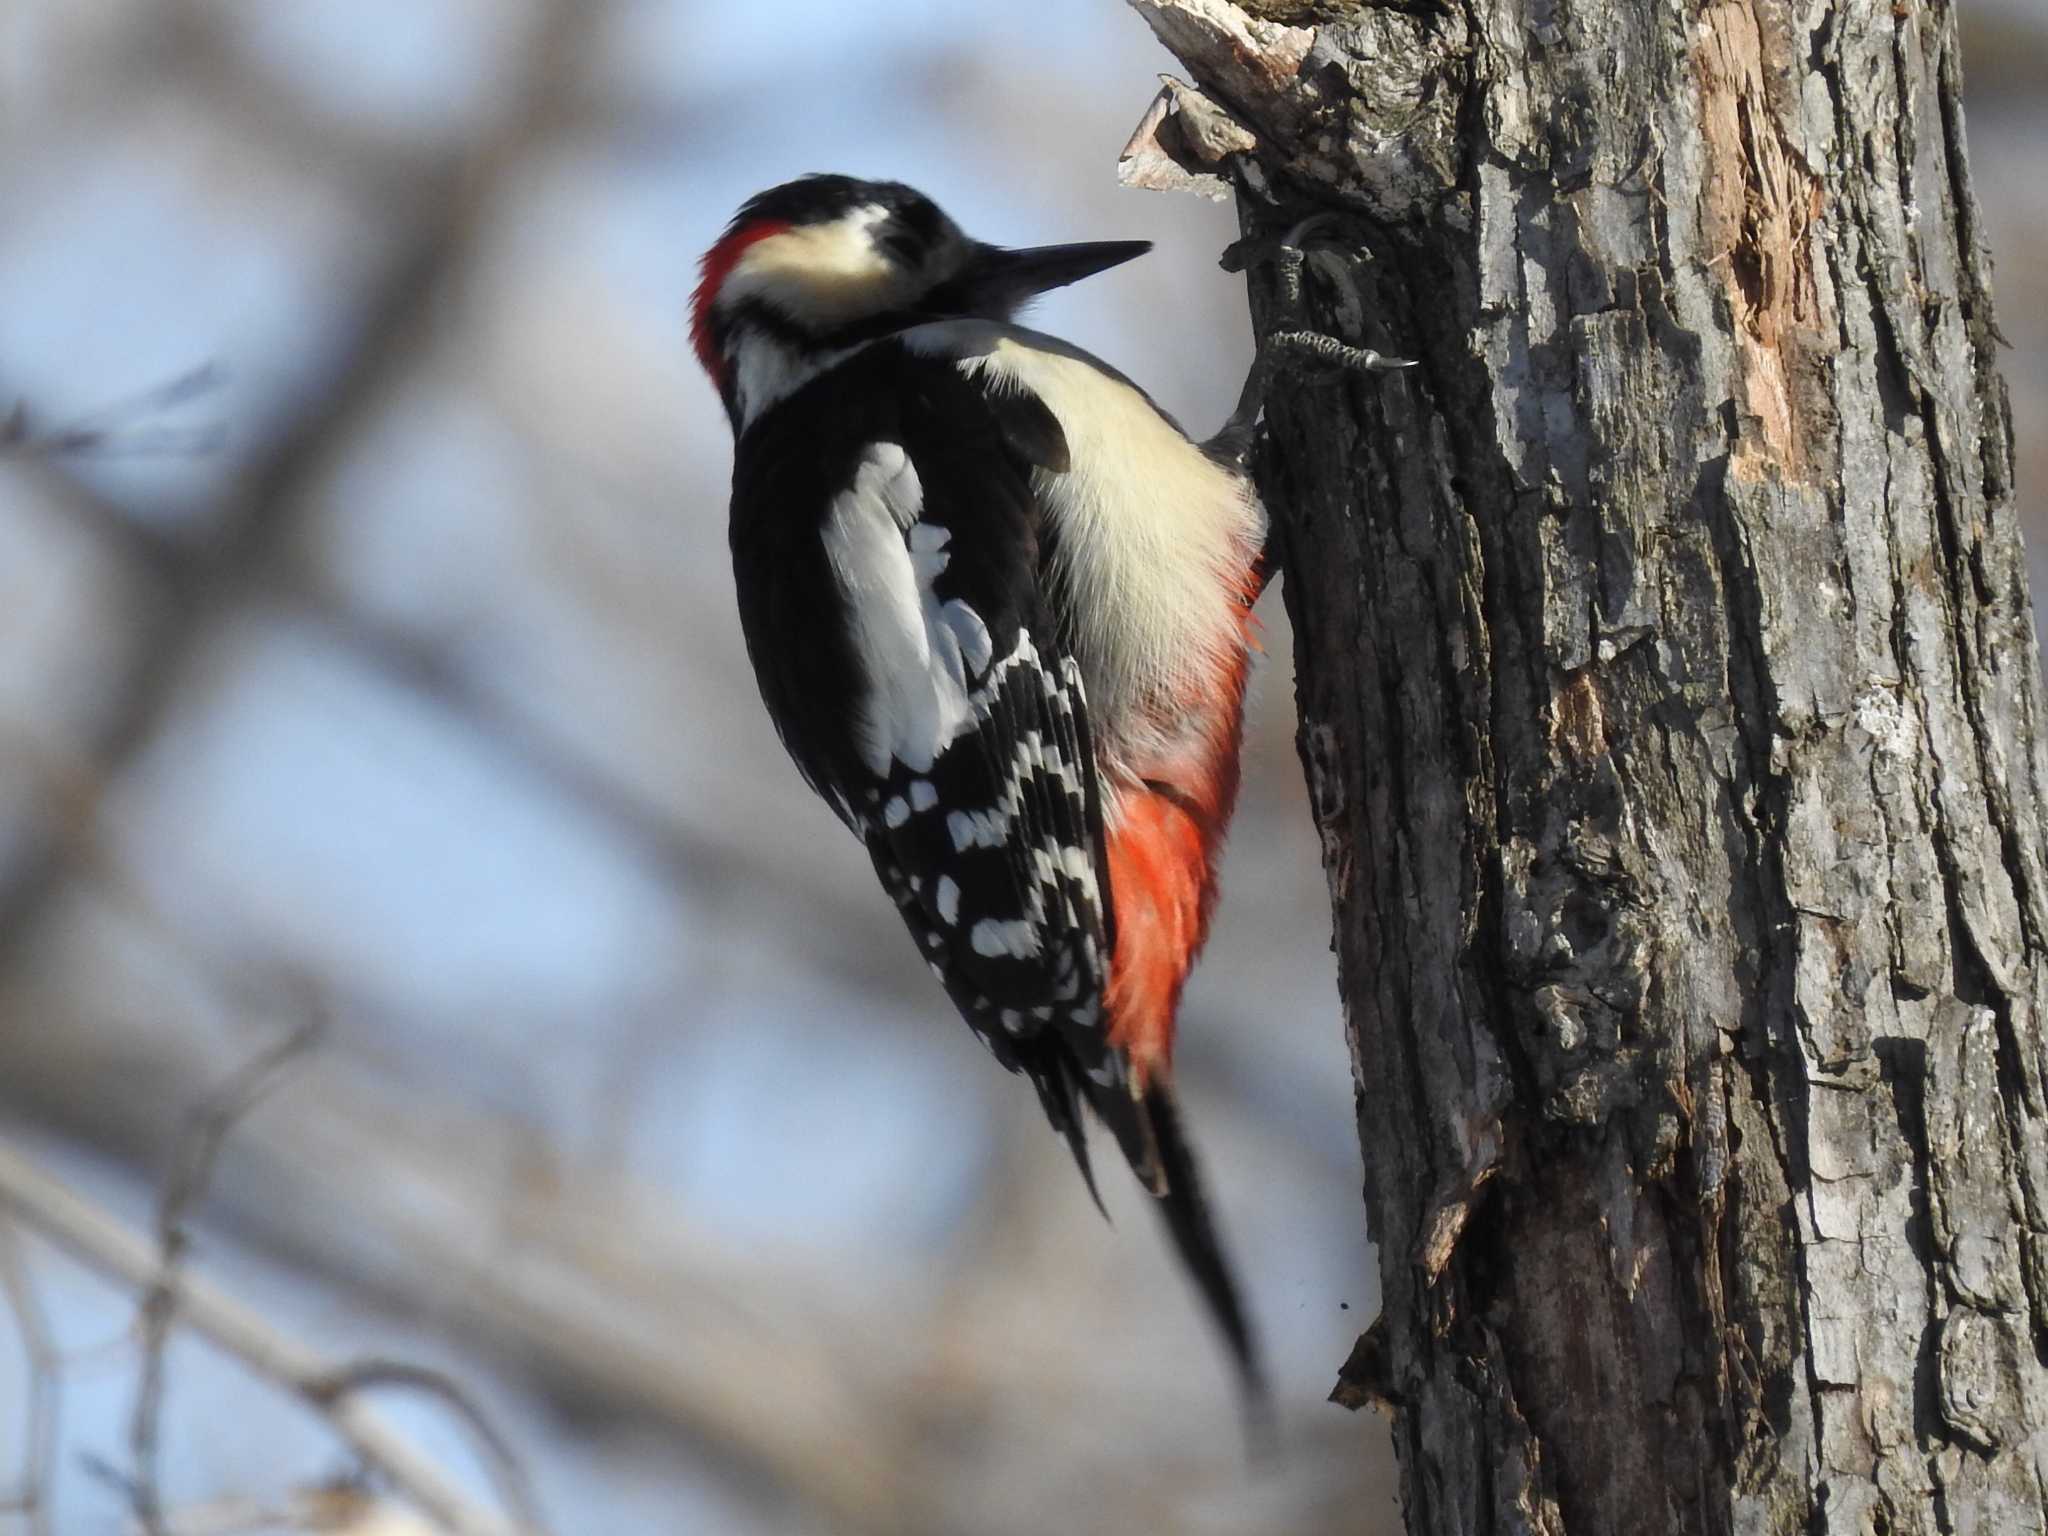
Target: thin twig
32,1493
116,428
191,1172
48,1206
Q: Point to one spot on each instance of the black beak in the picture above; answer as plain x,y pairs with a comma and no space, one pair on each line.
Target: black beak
996,281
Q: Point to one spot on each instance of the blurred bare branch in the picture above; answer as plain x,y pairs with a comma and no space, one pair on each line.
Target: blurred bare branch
46,1206
602,1292
583,1310
207,580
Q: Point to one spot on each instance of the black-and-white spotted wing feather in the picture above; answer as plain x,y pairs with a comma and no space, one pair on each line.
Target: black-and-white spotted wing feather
1006,902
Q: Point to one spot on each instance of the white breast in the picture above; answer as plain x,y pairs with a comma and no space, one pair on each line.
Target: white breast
1155,539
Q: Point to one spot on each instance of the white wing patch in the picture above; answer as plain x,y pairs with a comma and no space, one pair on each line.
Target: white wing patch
917,654
928,556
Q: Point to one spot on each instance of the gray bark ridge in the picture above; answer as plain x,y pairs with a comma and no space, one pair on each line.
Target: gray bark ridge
1670,705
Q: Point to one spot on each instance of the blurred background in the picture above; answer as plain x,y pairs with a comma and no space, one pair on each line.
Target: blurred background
369,676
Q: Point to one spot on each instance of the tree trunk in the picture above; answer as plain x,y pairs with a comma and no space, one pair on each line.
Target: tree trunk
1669,703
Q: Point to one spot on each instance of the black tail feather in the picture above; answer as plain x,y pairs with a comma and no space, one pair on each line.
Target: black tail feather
1077,1143
1148,1130
1187,1217
1052,1074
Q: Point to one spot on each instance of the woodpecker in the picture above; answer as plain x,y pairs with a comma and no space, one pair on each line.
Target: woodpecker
1000,609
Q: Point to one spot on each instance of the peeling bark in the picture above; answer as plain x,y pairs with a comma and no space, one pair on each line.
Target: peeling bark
1670,709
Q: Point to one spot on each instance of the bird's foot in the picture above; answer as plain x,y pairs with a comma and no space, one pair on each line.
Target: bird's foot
1289,254
1341,356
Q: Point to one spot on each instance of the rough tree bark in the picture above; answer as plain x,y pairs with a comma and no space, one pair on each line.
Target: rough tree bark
1670,708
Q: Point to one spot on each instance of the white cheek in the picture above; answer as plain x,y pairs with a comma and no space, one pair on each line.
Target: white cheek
821,275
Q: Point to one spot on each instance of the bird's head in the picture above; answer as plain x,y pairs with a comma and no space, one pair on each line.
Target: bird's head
817,266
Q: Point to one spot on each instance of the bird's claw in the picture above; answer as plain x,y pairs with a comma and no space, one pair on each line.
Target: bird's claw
1341,356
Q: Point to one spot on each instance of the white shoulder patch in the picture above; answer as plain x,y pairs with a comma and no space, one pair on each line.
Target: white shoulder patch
917,655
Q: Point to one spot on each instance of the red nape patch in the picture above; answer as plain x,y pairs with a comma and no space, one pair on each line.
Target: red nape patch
715,268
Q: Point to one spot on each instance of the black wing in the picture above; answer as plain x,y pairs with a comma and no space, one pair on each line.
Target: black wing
991,844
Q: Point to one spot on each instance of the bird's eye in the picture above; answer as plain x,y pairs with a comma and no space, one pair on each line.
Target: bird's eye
903,247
